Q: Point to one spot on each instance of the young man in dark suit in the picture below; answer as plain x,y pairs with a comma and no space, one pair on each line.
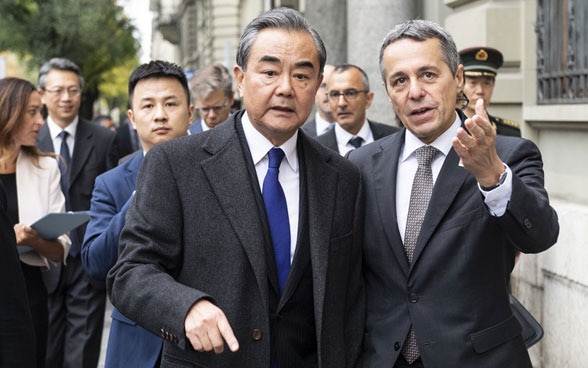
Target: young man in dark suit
349,95
160,110
76,304
437,270
203,261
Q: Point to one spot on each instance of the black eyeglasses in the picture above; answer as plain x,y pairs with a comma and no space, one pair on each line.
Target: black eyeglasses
61,91
349,94
206,109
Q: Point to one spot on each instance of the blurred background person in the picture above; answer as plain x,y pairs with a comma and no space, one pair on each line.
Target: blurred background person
213,95
105,121
349,95
480,66
323,120
32,182
76,303
128,139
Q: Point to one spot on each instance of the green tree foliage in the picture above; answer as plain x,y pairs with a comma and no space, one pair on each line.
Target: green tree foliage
95,34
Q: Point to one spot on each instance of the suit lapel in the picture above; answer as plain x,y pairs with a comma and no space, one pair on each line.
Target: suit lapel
82,148
331,140
385,168
44,141
447,185
133,171
231,183
321,182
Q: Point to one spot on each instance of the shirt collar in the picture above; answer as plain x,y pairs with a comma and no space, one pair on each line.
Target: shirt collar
443,143
345,136
321,124
55,129
259,145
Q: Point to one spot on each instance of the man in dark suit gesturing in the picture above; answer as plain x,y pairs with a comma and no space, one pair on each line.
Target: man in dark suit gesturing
76,305
348,90
437,271
204,264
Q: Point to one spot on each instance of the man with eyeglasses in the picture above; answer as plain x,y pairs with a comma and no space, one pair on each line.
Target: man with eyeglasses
212,88
76,304
349,96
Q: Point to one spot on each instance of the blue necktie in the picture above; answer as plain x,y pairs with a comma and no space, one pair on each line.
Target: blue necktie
277,215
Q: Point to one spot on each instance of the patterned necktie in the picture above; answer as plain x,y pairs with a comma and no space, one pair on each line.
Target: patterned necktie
422,187
277,215
356,142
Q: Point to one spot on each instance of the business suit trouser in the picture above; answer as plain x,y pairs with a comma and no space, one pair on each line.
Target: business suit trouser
76,319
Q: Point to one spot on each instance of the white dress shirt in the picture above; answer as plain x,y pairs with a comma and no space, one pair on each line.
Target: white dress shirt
55,130
496,200
289,175
322,126
344,136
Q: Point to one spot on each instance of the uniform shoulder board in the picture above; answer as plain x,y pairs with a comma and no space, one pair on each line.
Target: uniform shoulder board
501,121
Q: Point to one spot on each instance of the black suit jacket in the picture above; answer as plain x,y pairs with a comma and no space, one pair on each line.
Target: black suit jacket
197,229
127,139
379,130
310,127
17,348
455,293
95,151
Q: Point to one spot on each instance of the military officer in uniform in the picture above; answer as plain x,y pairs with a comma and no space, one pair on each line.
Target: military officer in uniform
480,65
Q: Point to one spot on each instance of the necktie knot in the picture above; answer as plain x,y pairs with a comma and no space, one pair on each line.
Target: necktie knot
63,135
425,155
275,157
356,142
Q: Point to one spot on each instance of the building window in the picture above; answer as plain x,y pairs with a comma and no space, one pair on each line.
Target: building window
562,51
293,4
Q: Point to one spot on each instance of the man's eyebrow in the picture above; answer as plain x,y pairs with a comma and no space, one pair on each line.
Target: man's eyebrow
304,64
300,64
422,69
269,59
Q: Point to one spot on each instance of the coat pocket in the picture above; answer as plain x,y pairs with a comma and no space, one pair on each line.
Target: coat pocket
496,335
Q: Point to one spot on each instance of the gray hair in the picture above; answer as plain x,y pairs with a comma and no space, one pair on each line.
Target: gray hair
345,67
59,64
209,79
422,30
279,18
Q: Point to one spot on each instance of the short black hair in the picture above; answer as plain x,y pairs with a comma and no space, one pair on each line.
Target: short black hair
158,69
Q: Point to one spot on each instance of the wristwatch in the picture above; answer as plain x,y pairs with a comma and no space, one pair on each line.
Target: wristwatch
501,180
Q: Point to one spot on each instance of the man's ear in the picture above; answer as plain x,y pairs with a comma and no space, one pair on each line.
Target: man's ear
239,76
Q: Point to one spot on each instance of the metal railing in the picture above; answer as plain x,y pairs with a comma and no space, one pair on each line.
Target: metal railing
562,58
